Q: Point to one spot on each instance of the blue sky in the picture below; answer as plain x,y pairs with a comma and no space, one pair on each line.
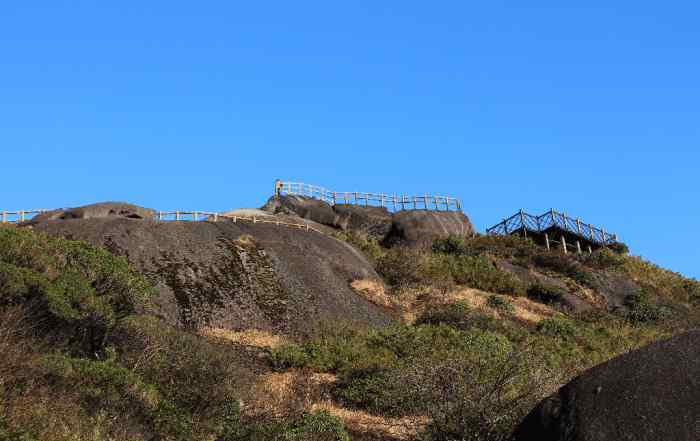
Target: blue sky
201,105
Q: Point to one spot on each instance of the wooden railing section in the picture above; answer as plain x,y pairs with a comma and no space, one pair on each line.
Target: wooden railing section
12,217
391,202
522,221
19,216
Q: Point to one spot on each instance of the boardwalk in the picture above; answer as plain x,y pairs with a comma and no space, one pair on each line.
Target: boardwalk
554,227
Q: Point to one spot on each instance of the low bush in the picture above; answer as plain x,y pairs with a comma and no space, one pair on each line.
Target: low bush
79,291
477,272
104,385
455,314
641,310
309,426
452,244
619,248
188,370
500,303
604,259
559,327
547,294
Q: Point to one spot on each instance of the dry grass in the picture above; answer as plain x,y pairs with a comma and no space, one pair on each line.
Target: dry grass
406,428
410,303
248,337
375,292
281,394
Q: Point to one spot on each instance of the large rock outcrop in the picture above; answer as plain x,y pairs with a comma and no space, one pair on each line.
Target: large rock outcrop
421,227
406,227
237,275
304,207
375,221
99,210
652,394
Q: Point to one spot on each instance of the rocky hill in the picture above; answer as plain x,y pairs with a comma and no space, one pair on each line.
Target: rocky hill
368,326
235,275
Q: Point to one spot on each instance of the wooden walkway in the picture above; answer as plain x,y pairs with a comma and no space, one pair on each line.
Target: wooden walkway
392,202
548,224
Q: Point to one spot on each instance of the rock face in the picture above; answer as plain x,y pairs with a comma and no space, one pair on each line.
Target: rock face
307,208
409,227
100,210
375,221
237,276
649,394
421,227
569,302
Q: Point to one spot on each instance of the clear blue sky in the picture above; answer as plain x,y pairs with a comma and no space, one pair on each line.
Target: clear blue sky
594,110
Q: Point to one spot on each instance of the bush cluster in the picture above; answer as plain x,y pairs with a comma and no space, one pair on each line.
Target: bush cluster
78,289
547,294
500,303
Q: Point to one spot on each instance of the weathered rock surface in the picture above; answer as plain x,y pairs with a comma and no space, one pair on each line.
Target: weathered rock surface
614,288
421,227
304,207
651,394
237,276
569,302
99,210
375,221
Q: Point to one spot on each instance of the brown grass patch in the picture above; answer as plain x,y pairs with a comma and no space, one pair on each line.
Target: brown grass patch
406,428
375,292
248,337
281,394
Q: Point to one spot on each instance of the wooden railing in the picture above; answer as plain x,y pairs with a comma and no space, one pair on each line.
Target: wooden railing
391,202
539,224
18,216
14,217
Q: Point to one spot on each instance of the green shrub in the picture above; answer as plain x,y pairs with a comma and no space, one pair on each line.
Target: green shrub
455,314
452,244
309,426
187,369
641,310
547,294
619,248
365,243
106,385
80,290
402,267
479,272
500,303
605,259
557,327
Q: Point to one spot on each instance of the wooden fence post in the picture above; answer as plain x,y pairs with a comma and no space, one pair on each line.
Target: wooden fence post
393,199
546,240
4,217
563,244
578,246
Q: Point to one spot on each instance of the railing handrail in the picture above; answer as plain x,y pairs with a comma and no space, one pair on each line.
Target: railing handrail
19,216
386,200
552,218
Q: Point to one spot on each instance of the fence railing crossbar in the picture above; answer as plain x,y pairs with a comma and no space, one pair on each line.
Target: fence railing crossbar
19,216
539,224
392,202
